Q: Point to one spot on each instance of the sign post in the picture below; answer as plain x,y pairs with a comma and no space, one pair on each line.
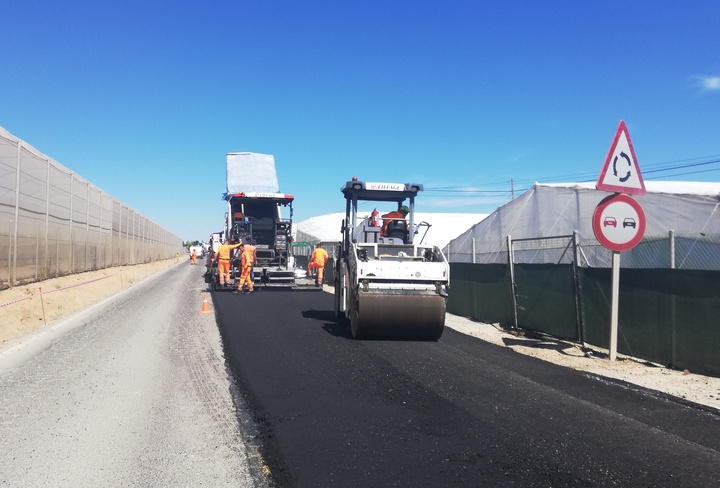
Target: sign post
619,225
619,221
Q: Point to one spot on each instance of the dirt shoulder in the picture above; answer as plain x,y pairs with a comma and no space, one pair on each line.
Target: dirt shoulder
704,390
25,309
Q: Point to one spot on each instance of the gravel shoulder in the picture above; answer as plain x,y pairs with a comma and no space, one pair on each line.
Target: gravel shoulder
129,391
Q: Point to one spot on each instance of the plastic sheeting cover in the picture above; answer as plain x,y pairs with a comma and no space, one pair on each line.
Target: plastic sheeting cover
443,226
251,172
690,209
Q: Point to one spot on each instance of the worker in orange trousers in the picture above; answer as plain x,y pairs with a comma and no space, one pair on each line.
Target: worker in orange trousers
246,262
317,261
193,257
222,258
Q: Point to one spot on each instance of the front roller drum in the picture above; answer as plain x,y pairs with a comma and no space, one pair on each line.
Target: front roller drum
398,316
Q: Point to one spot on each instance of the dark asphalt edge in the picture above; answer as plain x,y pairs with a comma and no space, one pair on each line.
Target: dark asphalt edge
660,395
607,379
258,430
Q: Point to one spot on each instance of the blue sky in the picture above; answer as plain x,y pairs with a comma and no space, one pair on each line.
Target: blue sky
145,98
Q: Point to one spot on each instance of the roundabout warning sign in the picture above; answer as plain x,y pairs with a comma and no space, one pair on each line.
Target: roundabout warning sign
619,222
621,171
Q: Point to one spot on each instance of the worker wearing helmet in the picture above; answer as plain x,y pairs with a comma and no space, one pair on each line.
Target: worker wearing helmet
317,261
246,263
222,258
389,217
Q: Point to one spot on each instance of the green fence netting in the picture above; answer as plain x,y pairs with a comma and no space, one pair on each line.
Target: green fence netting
545,295
480,291
667,316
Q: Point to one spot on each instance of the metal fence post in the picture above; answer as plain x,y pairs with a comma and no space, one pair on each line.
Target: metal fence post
10,267
12,249
578,290
672,248
87,222
511,267
37,249
46,263
72,243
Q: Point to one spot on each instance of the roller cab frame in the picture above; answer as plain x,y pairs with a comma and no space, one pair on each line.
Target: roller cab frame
388,286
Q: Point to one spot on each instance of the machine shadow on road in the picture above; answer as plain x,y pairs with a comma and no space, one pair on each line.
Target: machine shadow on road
331,325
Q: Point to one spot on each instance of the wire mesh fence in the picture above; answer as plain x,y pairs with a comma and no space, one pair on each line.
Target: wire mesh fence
669,250
53,222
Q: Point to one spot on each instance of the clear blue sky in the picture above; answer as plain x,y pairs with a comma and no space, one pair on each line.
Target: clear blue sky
145,98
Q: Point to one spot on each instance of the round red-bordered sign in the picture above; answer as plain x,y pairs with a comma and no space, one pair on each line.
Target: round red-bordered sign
619,222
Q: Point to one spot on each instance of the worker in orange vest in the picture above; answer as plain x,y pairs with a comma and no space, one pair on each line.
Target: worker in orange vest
251,246
400,213
193,257
317,261
222,258
246,262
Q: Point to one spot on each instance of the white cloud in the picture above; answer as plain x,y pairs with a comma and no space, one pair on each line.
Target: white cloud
710,82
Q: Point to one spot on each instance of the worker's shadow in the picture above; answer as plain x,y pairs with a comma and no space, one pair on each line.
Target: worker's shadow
331,325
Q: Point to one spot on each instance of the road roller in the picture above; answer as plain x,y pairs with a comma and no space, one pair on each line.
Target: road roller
387,283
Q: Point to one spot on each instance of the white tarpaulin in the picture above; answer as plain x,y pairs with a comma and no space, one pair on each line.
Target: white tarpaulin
443,226
683,226
251,172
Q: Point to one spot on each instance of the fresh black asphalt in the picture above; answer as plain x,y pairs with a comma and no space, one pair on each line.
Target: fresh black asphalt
459,412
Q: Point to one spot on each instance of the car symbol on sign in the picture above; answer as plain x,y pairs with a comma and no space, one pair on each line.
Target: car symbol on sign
629,222
609,221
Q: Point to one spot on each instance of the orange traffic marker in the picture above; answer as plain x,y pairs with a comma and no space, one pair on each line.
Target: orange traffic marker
205,307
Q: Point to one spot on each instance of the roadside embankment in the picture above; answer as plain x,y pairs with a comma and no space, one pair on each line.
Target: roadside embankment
26,308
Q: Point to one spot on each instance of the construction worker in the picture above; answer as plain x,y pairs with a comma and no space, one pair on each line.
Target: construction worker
389,217
250,245
317,261
222,258
193,257
246,263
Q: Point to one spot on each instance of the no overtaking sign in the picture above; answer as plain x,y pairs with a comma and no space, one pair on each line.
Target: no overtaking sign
619,222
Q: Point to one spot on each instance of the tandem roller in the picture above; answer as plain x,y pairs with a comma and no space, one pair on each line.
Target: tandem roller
419,317
386,283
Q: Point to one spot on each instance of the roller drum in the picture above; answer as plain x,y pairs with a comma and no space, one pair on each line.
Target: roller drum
398,315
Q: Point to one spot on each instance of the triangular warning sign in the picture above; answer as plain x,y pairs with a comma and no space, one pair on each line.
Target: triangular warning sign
621,172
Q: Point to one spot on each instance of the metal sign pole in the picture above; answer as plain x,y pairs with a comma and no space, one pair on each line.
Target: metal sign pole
614,304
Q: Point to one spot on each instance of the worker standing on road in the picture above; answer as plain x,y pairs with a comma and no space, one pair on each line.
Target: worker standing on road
246,262
193,257
317,260
389,217
251,246
222,258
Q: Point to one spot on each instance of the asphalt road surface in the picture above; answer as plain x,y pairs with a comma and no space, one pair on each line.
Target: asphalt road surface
131,392
336,412
142,390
